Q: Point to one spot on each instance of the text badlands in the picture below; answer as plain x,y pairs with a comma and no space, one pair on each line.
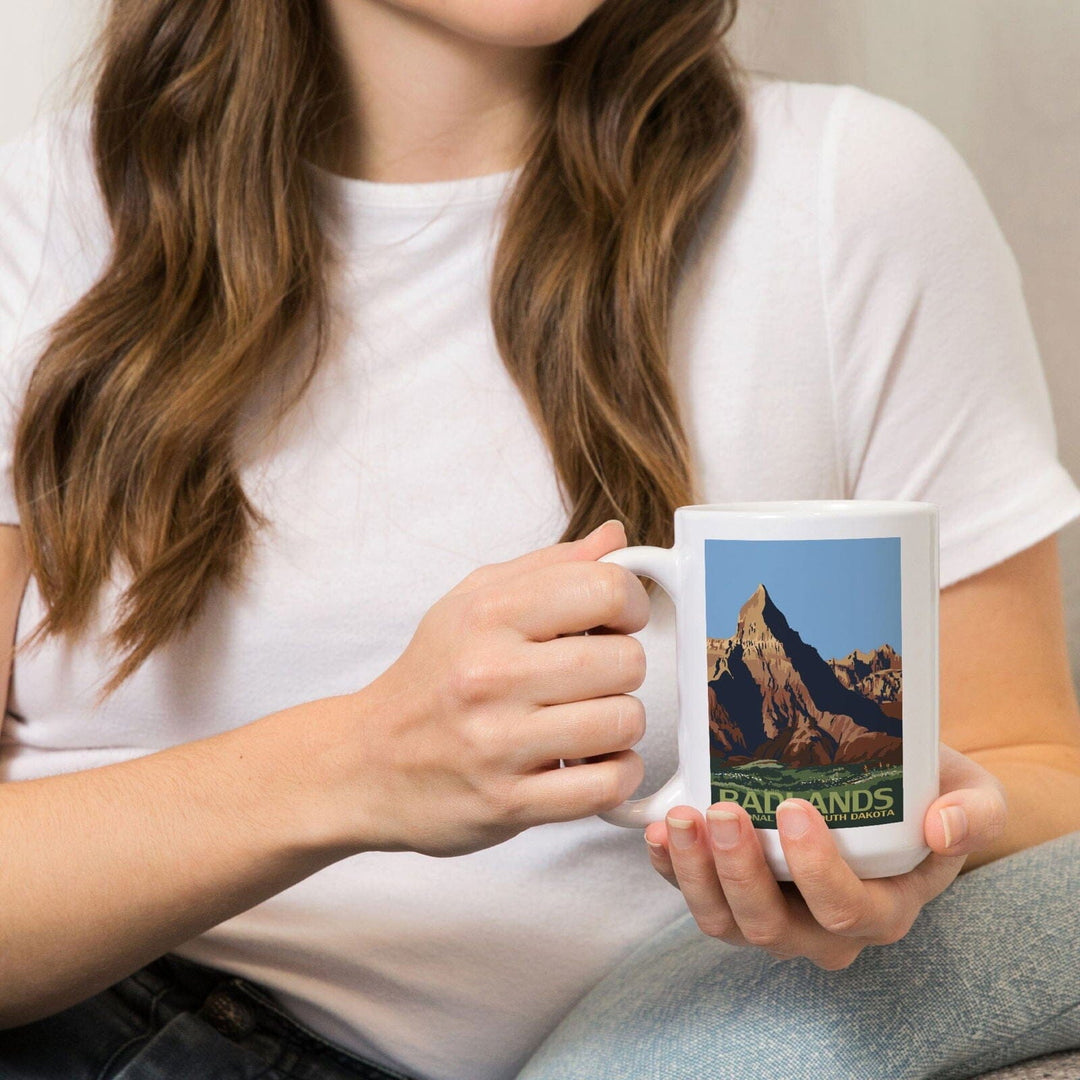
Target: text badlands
853,803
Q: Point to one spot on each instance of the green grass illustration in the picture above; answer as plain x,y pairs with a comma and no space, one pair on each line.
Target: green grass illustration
846,794
768,774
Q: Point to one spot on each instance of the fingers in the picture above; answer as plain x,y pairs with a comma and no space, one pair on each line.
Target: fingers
576,668
757,905
840,902
582,729
600,541
971,812
688,865
833,914
965,820
958,770
743,904
577,791
570,597
655,843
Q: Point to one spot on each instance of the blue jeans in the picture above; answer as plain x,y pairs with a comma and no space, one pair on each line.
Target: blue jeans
177,1020
988,975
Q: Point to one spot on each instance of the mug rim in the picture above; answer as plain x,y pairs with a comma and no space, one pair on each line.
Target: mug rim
810,507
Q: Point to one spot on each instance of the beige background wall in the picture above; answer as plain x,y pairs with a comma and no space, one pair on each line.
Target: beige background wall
997,76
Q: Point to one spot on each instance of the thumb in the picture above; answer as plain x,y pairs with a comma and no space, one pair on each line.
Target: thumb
604,538
971,812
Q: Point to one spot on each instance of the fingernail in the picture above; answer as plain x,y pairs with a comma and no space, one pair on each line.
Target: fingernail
609,521
955,823
792,819
724,827
682,833
655,847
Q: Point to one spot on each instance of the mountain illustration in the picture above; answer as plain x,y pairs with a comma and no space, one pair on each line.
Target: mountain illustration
875,675
772,696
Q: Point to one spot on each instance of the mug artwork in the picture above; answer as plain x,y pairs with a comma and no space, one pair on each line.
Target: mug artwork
807,659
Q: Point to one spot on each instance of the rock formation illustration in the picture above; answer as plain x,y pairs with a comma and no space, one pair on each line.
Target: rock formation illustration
772,696
875,675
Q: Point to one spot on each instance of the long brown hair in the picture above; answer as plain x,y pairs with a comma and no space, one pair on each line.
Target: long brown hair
204,112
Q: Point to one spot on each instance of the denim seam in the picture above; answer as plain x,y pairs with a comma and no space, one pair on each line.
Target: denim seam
270,1067
322,1048
153,988
103,1074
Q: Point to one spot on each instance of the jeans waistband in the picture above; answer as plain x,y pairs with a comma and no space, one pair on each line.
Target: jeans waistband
249,1014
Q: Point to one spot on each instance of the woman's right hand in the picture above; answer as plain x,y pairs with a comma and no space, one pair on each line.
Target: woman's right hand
462,735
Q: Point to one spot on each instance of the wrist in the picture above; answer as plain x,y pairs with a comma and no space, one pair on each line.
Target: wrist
312,751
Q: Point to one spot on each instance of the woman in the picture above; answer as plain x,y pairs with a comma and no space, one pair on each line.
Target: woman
339,518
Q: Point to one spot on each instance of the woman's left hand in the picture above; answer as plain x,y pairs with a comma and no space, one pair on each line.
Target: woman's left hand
826,914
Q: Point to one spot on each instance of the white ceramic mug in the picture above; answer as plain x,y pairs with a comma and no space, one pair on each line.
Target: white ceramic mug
807,659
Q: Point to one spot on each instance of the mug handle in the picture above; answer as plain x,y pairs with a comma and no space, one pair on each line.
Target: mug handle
660,565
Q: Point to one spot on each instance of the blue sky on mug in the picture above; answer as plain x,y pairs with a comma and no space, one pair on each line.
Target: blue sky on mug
839,595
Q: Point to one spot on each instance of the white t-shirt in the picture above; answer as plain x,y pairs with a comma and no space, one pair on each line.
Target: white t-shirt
852,324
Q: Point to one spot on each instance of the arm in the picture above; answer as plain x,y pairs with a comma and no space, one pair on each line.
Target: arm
454,748
1007,699
108,868
105,869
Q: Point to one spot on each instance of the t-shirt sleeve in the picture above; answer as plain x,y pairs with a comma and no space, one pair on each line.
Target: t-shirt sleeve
939,390
25,205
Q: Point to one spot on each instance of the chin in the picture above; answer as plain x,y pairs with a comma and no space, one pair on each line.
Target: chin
505,22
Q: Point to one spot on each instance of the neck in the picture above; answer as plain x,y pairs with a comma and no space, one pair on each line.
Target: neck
422,103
